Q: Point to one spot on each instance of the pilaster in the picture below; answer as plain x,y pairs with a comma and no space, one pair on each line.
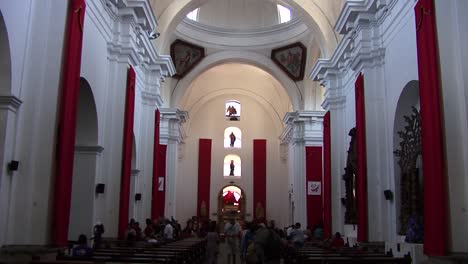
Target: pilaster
172,135
303,128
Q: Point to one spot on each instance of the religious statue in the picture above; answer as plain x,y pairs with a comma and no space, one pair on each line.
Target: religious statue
233,139
231,173
231,110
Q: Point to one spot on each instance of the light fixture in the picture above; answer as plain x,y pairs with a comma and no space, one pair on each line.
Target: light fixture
152,34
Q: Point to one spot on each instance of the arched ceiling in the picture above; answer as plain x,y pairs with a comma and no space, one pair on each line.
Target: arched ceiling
237,79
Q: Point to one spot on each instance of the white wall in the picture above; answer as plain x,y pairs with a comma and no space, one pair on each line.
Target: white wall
209,122
36,42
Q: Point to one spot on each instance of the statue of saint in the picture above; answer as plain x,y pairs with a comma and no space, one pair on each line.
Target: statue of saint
231,173
233,139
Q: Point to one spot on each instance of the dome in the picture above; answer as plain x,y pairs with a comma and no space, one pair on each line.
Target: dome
241,14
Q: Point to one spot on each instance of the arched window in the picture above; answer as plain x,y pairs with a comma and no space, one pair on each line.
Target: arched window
232,166
193,15
232,110
232,137
284,14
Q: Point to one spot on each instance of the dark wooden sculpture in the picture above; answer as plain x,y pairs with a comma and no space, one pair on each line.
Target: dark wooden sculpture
410,185
350,180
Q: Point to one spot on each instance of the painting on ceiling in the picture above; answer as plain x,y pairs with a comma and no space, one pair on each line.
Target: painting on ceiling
291,59
185,56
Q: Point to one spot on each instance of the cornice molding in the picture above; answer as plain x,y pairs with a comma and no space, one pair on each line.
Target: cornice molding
263,38
361,46
131,43
10,102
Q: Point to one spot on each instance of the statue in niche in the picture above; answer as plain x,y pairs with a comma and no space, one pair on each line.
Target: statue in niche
231,166
350,180
233,139
411,193
231,113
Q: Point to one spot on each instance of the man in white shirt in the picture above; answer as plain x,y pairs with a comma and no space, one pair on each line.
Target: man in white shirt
168,231
232,233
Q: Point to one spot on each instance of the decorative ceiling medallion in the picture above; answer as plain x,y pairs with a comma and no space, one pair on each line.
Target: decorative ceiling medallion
185,56
291,59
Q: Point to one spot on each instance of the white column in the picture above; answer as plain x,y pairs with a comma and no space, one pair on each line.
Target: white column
303,128
171,134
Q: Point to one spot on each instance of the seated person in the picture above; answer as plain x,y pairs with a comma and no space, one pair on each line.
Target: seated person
82,249
337,241
297,236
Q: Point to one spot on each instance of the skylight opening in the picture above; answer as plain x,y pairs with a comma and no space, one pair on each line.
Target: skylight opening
284,14
193,15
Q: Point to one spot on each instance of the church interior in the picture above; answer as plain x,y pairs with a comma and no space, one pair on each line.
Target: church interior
348,114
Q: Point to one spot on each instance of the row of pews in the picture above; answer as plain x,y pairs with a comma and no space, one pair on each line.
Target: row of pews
317,255
190,250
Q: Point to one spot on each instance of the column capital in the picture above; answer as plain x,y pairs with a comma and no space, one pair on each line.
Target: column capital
171,124
303,127
10,102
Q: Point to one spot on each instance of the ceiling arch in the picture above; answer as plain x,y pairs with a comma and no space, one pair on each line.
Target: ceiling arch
243,57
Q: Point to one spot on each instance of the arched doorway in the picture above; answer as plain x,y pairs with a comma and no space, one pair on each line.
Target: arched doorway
407,159
85,164
231,204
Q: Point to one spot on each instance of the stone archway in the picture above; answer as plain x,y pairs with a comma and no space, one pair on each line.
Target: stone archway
243,57
227,210
85,165
407,164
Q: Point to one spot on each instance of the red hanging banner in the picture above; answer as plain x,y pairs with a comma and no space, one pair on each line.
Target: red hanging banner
67,122
435,195
327,215
314,186
361,177
259,179
204,177
156,150
127,153
160,203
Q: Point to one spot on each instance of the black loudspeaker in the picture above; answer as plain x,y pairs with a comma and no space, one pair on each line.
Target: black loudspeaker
343,201
137,196
100,187
13,165
388,195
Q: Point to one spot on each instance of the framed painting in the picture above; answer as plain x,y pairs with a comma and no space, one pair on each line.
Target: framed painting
291,59
185,56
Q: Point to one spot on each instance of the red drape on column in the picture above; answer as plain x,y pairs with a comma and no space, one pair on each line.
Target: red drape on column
314,192
127,153
361,178
259,178
204,176
160,203
435,197
327,216
156,150
67,121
